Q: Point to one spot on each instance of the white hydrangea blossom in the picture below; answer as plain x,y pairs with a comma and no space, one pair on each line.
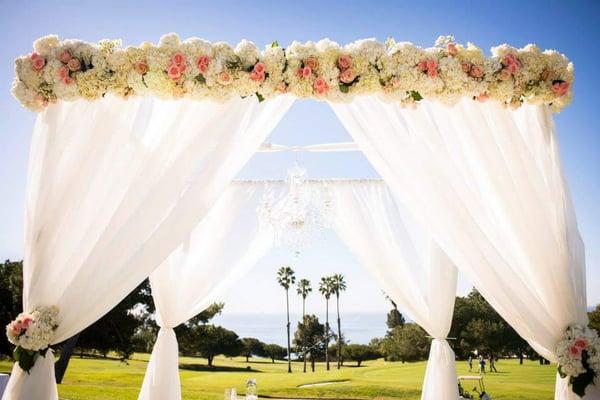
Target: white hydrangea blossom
399,71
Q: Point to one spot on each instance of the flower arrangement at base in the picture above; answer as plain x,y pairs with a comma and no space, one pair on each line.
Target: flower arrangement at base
32,334
579,357
324,70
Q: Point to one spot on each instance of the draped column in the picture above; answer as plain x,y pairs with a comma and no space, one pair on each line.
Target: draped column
409,266
487,184
110,196
219,252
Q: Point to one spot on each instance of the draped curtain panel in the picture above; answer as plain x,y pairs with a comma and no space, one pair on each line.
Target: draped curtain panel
408,265
110,197
219,252
487,184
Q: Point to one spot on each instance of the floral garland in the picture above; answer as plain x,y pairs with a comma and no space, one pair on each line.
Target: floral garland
579,357
400,71
32,334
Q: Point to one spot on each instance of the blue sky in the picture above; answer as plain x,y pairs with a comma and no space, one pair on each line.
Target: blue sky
571,27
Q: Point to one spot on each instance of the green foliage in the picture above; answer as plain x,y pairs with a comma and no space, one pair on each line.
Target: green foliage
360,353
394,319
594,317
252,347
286,277
209,341
326,286
274,352
304,288
310,335
11,284
408,342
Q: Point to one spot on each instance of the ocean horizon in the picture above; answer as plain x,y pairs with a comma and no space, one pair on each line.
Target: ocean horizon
357,327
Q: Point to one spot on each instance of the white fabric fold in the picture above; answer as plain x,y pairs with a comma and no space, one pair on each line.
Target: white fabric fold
219,252
114,187
487,184
407,264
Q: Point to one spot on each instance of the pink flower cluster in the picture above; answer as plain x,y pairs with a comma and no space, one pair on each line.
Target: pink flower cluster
20,325
347,74
141,67
577,347
321,86
202,63
451,49
224,78
37,62
560,87
429,66
474,71
258,72
511,65
177,67
71,64
308,67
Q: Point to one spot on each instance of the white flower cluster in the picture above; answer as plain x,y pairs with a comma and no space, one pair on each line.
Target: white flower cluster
579,346
35,330
195,68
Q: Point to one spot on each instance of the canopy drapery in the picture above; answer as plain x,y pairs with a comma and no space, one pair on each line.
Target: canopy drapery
108,187
117,188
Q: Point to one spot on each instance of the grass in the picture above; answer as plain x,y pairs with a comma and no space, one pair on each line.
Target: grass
107,379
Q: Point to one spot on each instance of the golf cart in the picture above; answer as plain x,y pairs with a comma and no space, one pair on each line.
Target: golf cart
478,391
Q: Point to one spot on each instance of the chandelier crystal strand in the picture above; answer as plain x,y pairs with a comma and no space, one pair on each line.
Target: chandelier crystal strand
300,214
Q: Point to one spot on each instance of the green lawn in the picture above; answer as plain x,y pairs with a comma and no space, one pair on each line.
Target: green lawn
109,379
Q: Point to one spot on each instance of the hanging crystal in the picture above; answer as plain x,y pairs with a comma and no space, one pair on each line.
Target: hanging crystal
300,214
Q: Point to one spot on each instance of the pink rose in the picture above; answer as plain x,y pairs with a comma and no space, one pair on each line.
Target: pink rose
65,56
63,72
311,62
575,351
67,80
432,63
141,67
224,78
560,87
432,73
344,62
466,67
203,60
504,74
321,86
581,343
514,68
15,328
174,72
422,65
451,49
257,76
347,76
26,321
259,67
476,71
483,97
74,64
203,68
37,62
508,59
306,72
178,59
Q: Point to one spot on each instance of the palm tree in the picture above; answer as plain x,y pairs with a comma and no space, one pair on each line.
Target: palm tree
303,290
339,285
326,289
286,278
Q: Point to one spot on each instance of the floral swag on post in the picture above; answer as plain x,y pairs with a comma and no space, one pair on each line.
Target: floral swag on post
400,71
32,334
579,357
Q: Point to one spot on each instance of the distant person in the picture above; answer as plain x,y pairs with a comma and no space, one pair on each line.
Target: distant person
481,365
470,363
493,364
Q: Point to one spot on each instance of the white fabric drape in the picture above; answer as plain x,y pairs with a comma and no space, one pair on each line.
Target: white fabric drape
407,264
487,183
110,197
226,244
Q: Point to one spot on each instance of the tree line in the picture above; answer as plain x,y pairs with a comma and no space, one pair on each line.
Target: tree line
130,327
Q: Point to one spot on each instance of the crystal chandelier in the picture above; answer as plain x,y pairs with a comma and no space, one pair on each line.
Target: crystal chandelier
301,213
